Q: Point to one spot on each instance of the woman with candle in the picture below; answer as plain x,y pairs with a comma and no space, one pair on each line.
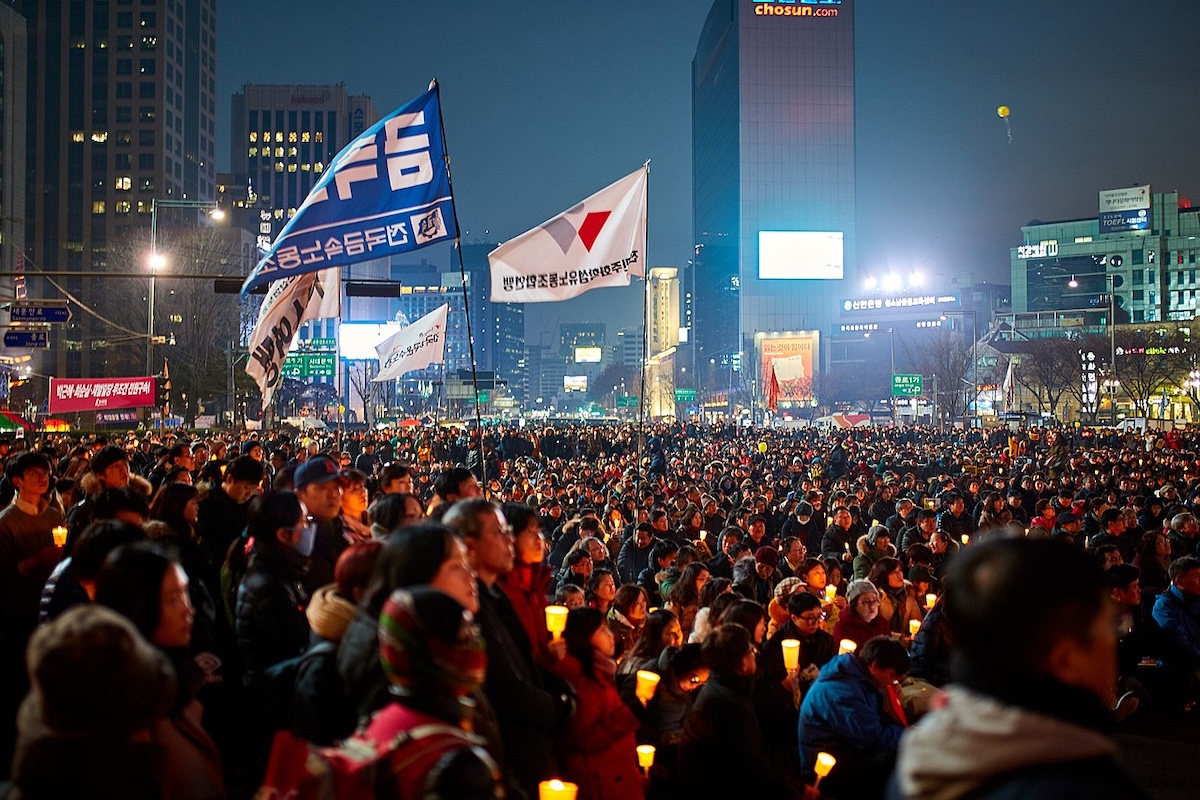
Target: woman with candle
627,616
660,632
897,597
684,598
599,750
814,575
528,582
601,590
862,619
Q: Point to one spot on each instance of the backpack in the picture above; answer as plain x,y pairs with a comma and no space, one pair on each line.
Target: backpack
390,759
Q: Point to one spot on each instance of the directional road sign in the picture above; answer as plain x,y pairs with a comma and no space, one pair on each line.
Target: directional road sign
627,401
27,338
908,385
39,311
685,395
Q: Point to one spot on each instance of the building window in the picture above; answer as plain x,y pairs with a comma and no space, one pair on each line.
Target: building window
291,136
124,90
146,114
146,161
146,91
122,206
123,183
306,136
97,206
253,136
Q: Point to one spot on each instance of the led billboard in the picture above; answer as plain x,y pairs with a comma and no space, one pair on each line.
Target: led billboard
357,340
801,255
575,383
588,355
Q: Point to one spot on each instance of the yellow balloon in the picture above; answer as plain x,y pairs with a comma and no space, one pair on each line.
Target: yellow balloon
1002,111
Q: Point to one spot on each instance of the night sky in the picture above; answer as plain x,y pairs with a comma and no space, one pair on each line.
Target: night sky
547,101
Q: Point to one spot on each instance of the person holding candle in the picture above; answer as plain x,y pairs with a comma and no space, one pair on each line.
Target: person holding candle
528,583
852,712
599,749
861,619
28,552
1028,712
898,602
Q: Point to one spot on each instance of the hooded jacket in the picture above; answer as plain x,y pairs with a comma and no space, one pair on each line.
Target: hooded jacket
979,747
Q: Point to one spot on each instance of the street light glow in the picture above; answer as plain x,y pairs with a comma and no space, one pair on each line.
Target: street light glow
157,260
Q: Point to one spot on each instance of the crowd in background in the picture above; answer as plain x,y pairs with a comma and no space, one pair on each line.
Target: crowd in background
192,617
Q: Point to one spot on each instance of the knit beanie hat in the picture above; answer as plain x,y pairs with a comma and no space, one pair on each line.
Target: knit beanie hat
859,587
429,642
93,673
767,555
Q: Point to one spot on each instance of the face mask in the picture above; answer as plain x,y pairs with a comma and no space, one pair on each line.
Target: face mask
308,539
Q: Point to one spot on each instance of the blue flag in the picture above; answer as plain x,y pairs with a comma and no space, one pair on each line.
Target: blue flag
387,192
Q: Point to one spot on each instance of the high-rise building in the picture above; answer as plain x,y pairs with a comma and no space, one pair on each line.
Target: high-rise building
122,112
773,174
498,328
13,78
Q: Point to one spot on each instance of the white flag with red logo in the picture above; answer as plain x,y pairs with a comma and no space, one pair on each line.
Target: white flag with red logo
420,344
597,243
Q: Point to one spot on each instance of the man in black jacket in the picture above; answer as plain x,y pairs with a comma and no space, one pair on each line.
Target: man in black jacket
530,703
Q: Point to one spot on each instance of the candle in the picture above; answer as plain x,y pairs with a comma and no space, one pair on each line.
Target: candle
556,620
60,536
930,599
703,535
791,654
846,646
824,764
645,756
914,625
647,682
557,790
830,593
966,539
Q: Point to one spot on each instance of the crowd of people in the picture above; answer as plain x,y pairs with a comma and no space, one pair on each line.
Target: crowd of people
945,614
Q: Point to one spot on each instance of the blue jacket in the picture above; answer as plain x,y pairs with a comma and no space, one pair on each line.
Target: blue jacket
1179,616
843,715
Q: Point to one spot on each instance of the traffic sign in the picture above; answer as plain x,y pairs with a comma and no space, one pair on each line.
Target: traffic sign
39,311
310,365
685,395
27,339
627,401
908,385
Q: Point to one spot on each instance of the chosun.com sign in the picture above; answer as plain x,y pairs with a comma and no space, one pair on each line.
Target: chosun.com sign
791,8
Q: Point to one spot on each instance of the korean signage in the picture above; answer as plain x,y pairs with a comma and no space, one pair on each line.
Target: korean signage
793,357
1117,221
916,301
94,394
685,395
908,385
310,365
1041,250
1124,209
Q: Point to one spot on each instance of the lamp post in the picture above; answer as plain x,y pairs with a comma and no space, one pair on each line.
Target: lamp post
974,359
1110,281
156,260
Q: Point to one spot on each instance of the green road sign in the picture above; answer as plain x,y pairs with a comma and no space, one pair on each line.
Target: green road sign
685,395
908,385
627,401
310,365
483,397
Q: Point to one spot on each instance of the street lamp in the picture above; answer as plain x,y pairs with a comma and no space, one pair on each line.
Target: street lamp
157,260
1110,281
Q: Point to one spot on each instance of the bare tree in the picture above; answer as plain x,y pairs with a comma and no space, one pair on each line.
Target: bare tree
1048,368
1150,359
946,357
360,374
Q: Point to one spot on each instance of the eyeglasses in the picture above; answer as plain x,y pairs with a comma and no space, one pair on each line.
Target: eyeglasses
811,618
867,601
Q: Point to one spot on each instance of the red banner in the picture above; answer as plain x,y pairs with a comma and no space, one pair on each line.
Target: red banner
94,394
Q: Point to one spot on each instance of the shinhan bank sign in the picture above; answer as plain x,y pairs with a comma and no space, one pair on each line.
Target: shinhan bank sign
796,8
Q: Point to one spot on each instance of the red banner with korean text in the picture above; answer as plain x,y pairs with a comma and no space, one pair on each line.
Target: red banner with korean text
95,394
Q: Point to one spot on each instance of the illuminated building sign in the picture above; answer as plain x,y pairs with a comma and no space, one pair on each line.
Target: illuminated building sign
861,327
921,301
1043,250
796,8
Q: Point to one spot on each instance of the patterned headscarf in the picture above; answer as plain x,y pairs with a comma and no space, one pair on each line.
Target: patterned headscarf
428,641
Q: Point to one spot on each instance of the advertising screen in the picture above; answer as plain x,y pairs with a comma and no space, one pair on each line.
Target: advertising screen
793,359
800,255
575,383
357,340
588,355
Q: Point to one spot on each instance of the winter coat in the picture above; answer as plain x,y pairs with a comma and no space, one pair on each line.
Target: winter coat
1179,615
836,541
271,625
322,711
899,607
526,587
221,521
599,750
633,559
853,627
930,652
868,554
359,667
843,715
624,632
978,747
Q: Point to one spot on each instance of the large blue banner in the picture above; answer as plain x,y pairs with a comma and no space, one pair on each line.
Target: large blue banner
387,192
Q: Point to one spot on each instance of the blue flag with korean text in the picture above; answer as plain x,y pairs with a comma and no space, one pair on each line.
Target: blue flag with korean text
386,192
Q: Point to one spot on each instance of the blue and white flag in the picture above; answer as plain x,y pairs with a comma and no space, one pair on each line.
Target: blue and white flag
387,192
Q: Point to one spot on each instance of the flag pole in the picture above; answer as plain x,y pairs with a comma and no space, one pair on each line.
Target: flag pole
645,331
462,272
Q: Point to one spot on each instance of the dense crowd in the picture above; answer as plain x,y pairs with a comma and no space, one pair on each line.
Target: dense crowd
938,615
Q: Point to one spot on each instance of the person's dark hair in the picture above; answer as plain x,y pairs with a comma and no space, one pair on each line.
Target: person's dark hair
650,644
573,558
725,648
1181,565
412,556
885,653
130,583
799,602
1002,630
106,457
926,513
26,461
285,479
880,570
354,477
746,613
716,587
97,541
627,596
564,591
388,510
1101,552
683,592
268,513
394,471
518,516
663,548
180,449
918,553
685,659
593,581
685,556
450,480
582,622
464,516
244,468
111,501
169,503
1121,575
730,531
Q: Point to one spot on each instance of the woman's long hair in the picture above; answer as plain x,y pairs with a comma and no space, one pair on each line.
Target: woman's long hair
582,622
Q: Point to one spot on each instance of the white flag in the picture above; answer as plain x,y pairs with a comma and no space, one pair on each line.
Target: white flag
600,242
420,344
289,303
